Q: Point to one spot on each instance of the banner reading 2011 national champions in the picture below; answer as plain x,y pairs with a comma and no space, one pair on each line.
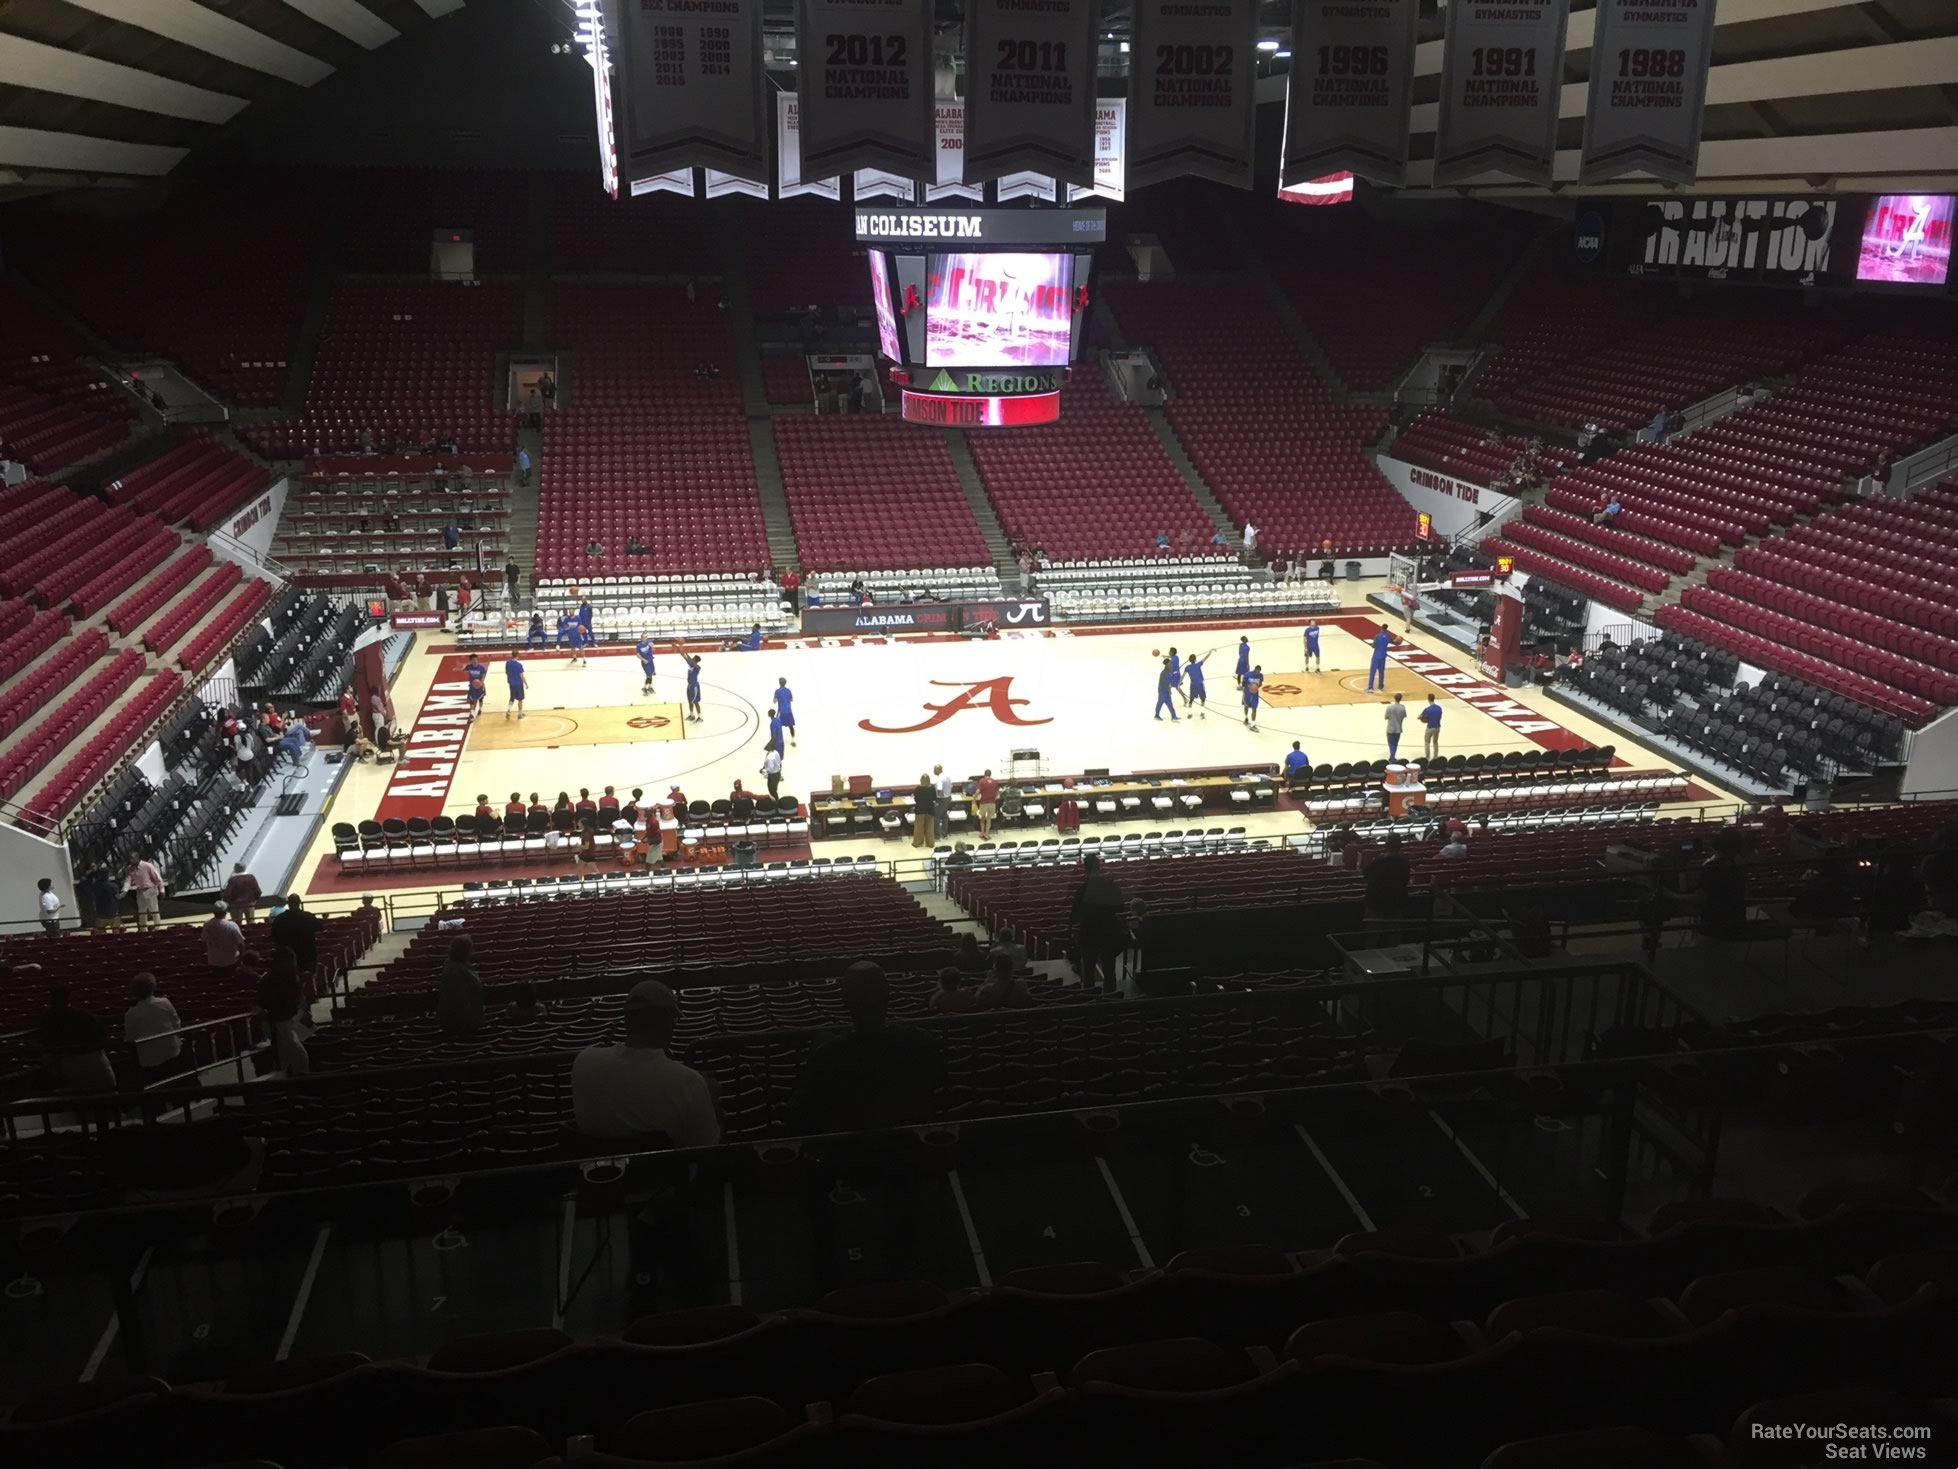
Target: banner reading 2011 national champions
1649,61
1502,75
1192,90
1352,73
1030,89
865,85
692,89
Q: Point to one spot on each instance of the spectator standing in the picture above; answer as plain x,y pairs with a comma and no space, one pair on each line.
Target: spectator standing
104,896
75,1045
1431,728
523,466
459,995
224,941
1386,890
512,578
988,792
47,903
298,930
941,811
771,771
142,878
629,1089
1396,721
282,1001
1099,918
924,801
151,1024
242,892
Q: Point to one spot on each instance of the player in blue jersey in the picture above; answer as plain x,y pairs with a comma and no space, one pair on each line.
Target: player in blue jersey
565,622
519,683
1243,659
475,673
1166,688
1253,682
535,637
1176,675
751,642
1193,670
644,648
1377,669
584,620
578,640
784,710
1312,647
693,686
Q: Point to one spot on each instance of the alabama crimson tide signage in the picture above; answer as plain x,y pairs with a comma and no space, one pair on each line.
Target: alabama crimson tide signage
1649,62
1192,90
864,77
690,86
1502,75
1030,89
1348,103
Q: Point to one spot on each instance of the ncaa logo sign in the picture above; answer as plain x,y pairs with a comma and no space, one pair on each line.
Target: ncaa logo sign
1590,236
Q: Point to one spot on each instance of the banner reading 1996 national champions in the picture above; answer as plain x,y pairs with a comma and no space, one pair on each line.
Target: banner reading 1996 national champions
691,86
1192,90
1502,75
1649,62
1352,72
864,79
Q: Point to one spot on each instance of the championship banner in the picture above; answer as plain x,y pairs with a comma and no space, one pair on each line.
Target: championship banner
1030,89
949,125
1649,61
691,88
674,181
864,75
720,185
1348,104
788,154
1192,90
1111,154
1502,76
1027,186
874,183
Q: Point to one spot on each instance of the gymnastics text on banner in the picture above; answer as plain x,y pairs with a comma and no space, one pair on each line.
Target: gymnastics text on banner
1111,158
865,80
691,89
1352,75
789,182
949,124
1192,90
1030,89
1649,65
1502,80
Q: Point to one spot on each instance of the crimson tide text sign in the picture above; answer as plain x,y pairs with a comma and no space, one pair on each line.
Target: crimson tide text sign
1192,90
1352,72
1649,62
1502,76
864,77
1030,89
691,89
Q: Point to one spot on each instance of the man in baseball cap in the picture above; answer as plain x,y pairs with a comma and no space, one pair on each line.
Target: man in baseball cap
629,1089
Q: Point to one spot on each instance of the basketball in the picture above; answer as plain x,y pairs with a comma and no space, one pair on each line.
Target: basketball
1155,652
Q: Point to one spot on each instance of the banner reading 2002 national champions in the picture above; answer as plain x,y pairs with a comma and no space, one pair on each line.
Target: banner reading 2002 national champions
1502,76
1192,90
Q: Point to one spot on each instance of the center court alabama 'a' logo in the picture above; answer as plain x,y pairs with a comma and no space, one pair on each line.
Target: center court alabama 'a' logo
993,693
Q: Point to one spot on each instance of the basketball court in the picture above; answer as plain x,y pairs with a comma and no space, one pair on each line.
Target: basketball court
891,709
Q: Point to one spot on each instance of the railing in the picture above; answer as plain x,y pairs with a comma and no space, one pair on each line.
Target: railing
1926,466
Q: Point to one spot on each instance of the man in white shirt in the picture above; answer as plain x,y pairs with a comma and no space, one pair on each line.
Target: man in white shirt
941,814
224,941
624,1091
1250,538
48,905
151,1024
771,771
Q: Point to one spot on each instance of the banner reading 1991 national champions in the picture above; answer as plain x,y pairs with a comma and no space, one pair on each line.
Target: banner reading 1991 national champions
691,86
1352,72
864,79
1649,62
1502,75
1192,90
1030,89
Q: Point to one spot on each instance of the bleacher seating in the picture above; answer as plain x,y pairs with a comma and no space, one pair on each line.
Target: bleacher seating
192,607
24,698
29,634
58,530
1287,457
390,216
230,620
201,480
148,599
1469,451
643,444
874,493
1561,311
1097,485
43,741
119,740
54,411
99,572
786,380
1556,568
412,361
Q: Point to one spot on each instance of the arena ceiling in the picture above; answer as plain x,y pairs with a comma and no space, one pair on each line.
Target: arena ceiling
1855,95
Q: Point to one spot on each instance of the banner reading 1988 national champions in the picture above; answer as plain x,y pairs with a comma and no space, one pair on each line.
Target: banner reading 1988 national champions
1352,72
1649,62
691,89
1502,76
864,79
1030,89
1192,90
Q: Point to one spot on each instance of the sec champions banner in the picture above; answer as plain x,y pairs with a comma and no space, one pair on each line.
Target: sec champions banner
691,89
1192,90
1352,72
865,81
1649,62
1502,74
1030,89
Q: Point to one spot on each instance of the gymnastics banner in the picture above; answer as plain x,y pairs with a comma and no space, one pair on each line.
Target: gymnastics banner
1649,61
864,75
1192,90
1348,103
1030,89
1502,75
691,86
